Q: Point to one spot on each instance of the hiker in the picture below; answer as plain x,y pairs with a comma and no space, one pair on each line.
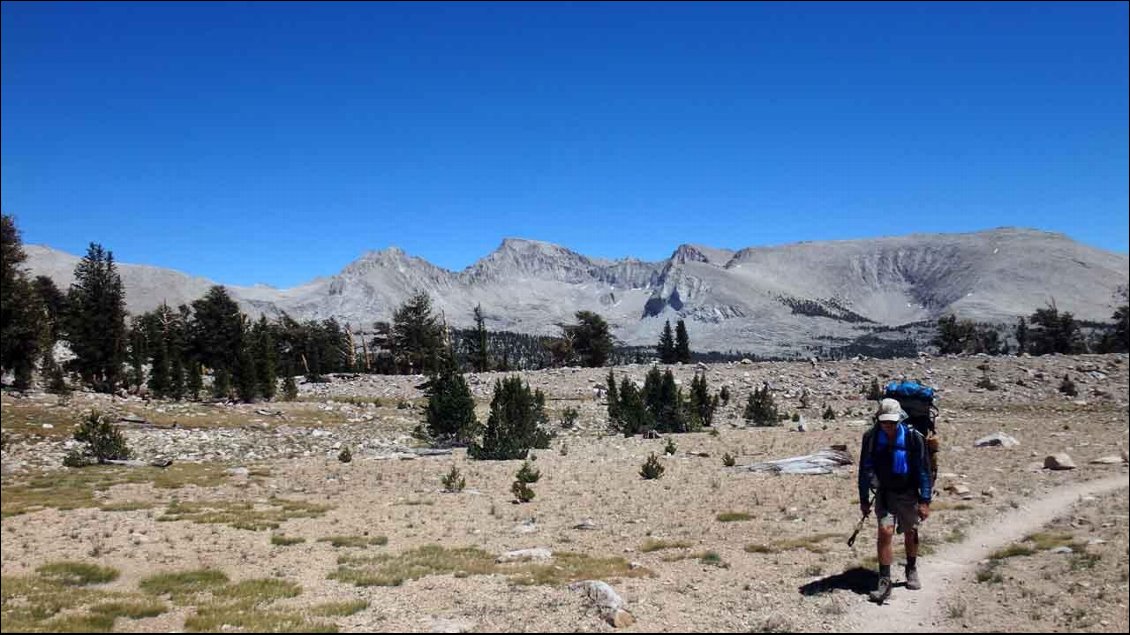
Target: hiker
893,464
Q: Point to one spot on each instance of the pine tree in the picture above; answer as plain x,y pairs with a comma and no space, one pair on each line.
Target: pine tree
761,410
417,336
672,415
290,389
217,336
103,440
634,415
1021,332
195,383
176,377
613,400
53,373
221,384
382,349
245,374
515,423
96,326
652,393
1118,340
666,346
702,405
159,384
953,335
266,359
682,343
1054,332
479,353
54,305
592,341
450,414
19,310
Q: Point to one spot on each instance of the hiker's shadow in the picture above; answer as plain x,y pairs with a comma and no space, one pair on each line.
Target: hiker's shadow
858,580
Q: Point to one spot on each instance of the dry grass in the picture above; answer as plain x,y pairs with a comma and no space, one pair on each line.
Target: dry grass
183,584
243,515
242,606
75,488
1046,540
1012,551
729,517
354,541
26,418
809,543
70,573
394,570
338,609
286,541
650,545
57,599
571,567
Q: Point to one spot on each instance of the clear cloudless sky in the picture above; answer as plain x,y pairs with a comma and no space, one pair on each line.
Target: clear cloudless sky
274,143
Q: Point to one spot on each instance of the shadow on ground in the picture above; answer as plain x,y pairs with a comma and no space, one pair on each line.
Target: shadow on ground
858,580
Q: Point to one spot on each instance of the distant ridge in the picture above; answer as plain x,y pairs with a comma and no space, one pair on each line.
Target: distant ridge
765,300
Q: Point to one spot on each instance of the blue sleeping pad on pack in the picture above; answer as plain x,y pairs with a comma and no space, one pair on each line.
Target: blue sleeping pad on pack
909,389
917,401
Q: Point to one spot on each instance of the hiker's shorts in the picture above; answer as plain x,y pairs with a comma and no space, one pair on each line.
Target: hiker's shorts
899,510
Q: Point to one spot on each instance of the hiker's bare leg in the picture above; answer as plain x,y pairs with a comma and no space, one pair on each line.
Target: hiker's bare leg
910,539
886,552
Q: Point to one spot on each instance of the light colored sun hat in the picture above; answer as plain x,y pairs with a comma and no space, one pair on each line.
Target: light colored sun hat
890,410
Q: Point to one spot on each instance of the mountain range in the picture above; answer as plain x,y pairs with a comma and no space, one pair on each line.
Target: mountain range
763,300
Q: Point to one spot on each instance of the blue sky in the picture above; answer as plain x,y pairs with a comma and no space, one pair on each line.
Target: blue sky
276,143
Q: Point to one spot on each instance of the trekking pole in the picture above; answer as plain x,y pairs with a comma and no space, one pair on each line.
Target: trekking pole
859,525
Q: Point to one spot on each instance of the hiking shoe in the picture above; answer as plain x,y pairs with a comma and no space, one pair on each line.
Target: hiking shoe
912,581
881,592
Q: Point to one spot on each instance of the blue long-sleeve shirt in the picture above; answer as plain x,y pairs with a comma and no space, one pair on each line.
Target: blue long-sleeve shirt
876,466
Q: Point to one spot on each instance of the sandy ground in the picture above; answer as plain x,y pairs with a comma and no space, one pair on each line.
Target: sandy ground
591,475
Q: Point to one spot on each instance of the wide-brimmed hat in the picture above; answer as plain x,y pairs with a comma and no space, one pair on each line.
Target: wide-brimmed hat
890,410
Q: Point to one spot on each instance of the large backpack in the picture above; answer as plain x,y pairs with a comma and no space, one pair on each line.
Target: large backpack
917,401
919,404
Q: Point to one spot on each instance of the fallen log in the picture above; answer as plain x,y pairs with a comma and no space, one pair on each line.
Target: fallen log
136,463
822,462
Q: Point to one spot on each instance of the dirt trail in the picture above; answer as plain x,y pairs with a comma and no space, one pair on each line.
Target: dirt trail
946,571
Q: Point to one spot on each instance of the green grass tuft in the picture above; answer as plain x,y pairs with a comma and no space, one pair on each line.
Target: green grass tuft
70,573
729,517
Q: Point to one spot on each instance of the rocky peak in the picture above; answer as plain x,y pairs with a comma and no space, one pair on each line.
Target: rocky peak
519,257
697,253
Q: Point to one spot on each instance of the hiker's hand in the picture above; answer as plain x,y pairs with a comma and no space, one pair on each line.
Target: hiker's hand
864,509
923,511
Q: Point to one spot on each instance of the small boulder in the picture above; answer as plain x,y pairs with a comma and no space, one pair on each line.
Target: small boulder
537,554
1058,461
957,489
997,439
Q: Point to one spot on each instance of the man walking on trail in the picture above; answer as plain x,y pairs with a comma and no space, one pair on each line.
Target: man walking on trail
893,464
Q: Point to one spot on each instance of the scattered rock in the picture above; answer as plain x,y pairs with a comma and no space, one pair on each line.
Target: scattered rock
957,489
606,600
537,554
1108,460
1059,461
996,439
